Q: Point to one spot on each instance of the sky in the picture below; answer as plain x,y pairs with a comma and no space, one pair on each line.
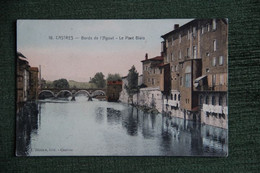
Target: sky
78,49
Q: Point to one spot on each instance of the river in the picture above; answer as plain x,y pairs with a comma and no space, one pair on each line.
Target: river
100,128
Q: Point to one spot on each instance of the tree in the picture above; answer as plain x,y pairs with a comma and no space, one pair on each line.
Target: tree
132,78
99,80
113,77
42,83
61,83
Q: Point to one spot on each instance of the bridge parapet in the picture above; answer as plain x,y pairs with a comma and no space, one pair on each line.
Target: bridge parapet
90,92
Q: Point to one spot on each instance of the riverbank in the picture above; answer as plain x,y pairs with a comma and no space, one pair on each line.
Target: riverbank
26,122
146,109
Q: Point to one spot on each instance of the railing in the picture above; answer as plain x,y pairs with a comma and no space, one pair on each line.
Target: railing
211,88
171,102
215,109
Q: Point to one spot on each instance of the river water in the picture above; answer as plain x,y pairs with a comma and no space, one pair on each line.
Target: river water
100,128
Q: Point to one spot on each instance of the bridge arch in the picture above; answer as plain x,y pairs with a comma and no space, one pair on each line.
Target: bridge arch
46,91
98,93
82,91
62,91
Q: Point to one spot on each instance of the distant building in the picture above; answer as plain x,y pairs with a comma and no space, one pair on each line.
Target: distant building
197,55
113,90
22,76
26,81
152,73
124,97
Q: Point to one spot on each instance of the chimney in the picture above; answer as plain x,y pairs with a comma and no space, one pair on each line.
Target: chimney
176,26
146,56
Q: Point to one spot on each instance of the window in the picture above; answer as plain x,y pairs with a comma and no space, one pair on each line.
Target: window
194,31
207,100
214,61
213,101
207,54
179,54
160,71
214,45
220,100
221,79
194,52
179,38
176,68
214,24
207,70
213,79
154,71
201,100
188,52
179,97
153,81
188,77
175,96
187,80
180,81
171,97
221,60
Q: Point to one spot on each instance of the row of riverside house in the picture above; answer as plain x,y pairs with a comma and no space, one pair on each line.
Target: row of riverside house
189,79
26,81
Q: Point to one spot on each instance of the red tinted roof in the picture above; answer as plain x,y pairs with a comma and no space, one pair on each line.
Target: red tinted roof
157,58
34,68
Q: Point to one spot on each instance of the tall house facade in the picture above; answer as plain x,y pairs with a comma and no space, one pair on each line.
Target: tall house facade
152,71
22,76
26,81
197,55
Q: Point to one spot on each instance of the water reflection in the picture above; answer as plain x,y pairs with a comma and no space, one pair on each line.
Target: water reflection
100,128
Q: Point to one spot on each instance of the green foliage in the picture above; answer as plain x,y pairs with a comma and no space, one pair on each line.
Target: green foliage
132,79
113,77
43,83
83,85
61,83
49,84
99,80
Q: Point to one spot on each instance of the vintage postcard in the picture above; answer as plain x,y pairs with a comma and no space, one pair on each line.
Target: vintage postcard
122,87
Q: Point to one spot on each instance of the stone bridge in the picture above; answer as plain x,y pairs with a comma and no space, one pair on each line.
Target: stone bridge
73,92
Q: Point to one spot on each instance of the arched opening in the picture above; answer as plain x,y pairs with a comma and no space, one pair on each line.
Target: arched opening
220,100
64,94
207,100
98,93
213,102
46,94
82,92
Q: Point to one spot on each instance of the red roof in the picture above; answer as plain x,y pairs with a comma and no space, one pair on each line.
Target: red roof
157,58
34,68
114,82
